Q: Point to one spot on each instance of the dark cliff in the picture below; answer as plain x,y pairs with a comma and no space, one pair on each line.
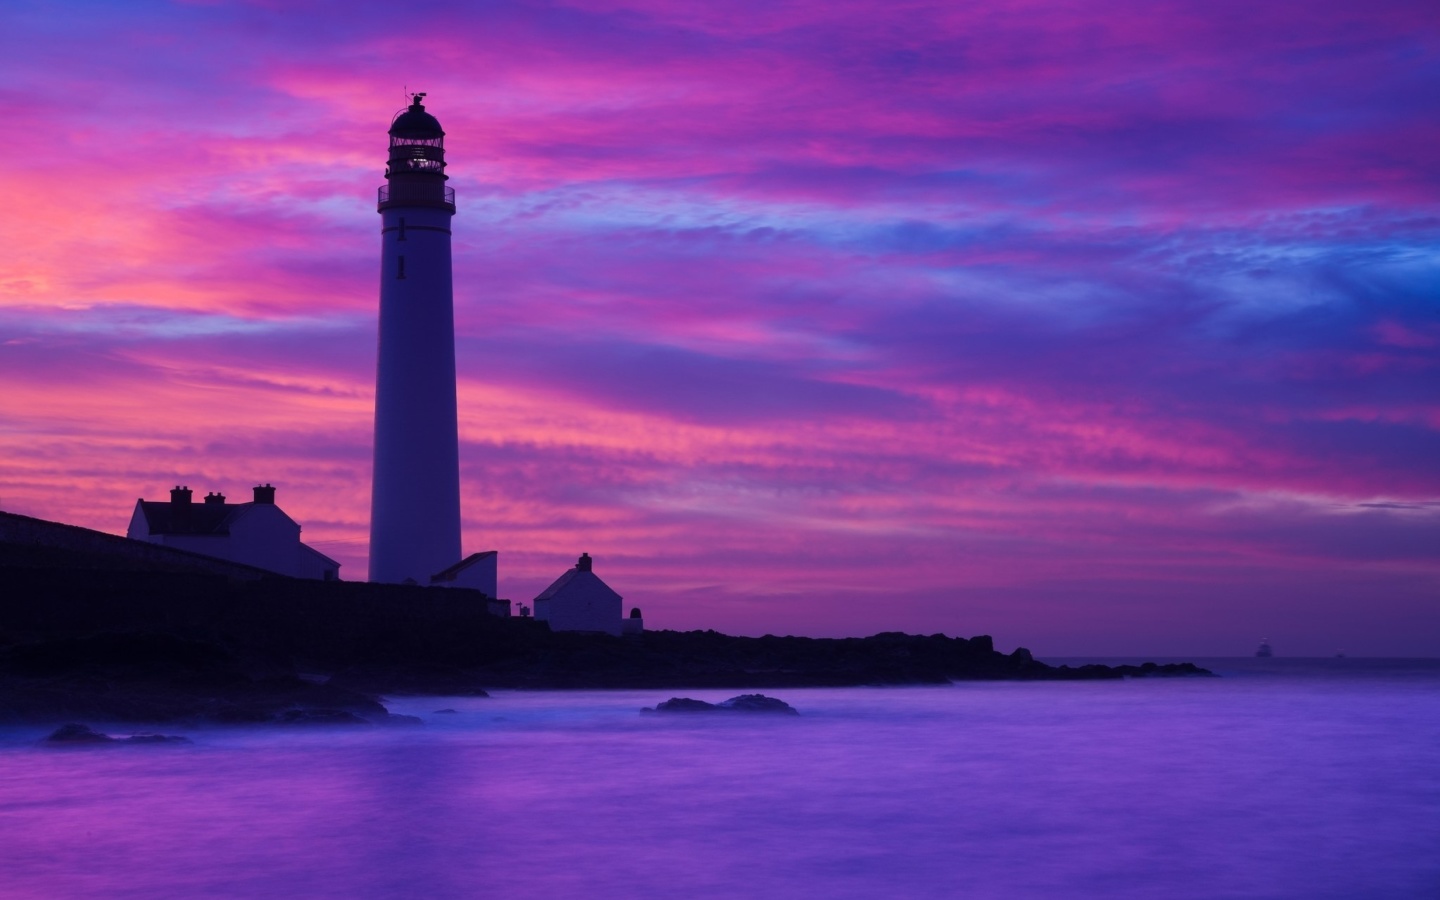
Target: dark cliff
76,617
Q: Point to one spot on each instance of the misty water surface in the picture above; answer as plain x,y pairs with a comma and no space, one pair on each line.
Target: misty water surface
1287,780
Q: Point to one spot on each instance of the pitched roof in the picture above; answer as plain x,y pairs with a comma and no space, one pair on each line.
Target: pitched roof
204,519
198,518
577,578
306,548
450,573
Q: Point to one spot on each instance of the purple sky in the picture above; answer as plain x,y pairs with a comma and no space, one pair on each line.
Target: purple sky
1101,328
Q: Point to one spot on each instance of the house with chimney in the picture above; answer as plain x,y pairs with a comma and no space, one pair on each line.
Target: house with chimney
257,533
579,601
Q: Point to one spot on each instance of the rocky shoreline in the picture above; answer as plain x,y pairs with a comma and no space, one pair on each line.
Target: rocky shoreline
95,628
161,678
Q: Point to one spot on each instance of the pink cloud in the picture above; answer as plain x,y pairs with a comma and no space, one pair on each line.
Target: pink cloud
1030,318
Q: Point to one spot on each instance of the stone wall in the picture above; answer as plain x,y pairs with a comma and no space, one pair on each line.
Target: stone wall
28,542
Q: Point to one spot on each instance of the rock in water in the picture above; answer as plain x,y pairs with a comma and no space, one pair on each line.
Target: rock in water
759,703
682,704
743,703
156,739
76,735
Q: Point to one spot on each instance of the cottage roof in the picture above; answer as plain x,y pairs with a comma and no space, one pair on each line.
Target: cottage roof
575,579
193,518
162,517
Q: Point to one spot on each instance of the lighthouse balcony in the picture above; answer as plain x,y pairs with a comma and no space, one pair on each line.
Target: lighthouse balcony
417,194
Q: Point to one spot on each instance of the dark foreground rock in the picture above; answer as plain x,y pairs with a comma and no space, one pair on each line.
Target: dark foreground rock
745,703
319,717
401,677
83,638
77,735
161,678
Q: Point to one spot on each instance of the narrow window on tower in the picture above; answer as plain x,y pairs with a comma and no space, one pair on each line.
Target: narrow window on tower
402,230
400,269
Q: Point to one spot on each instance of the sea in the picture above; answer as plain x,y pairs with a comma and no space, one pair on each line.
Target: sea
1285,778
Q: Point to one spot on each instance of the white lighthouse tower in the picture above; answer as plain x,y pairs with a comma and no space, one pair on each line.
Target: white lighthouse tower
415,496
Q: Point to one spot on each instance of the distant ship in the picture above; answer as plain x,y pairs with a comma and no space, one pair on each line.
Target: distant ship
1264,649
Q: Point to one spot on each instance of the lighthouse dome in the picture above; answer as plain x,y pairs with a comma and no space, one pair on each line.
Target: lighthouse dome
415,123
415,171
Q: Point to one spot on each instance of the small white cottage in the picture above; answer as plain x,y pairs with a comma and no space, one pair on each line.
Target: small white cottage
257,534
580,601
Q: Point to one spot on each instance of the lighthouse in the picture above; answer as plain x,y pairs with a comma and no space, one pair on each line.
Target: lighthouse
415,494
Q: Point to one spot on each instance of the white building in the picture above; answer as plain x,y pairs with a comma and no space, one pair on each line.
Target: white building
415,495
580,601
257,534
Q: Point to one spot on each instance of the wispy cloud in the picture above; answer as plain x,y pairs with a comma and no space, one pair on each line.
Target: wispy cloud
1095,328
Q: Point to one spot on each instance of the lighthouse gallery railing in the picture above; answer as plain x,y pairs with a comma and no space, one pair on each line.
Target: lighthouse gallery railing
417,195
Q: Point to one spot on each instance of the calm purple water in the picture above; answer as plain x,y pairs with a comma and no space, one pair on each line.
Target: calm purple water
1288,779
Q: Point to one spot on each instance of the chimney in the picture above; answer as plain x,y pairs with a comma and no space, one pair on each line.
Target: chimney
214,499
179,507
264,493
583,564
